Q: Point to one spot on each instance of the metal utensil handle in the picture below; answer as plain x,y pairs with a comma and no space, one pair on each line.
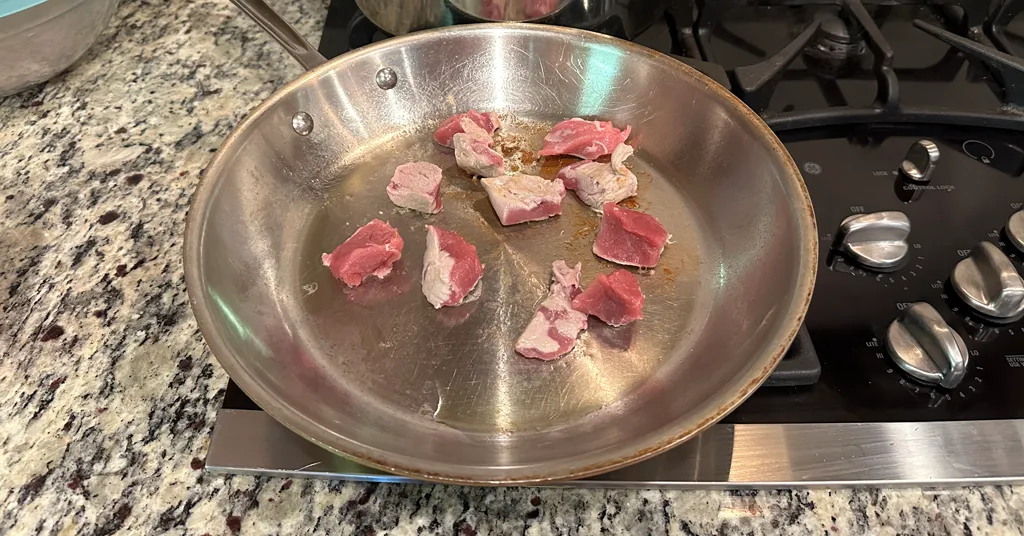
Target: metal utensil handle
282,32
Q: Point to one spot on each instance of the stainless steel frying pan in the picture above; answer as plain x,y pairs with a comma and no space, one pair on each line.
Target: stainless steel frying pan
376,374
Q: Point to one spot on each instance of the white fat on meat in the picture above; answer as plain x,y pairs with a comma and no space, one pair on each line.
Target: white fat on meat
437,272
621,152
553,329
473,151
451,268
597,183
523,198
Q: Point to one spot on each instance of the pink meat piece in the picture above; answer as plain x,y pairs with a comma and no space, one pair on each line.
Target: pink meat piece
630,237
615,298
476,156
371,250
416,186
487,121
451,268
570,173
585,139
552,331
597,183
473,151
522,198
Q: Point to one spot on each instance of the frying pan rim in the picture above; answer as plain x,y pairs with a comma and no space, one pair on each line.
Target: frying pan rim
310,430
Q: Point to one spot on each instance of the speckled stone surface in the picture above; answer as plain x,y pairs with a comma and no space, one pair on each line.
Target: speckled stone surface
108,394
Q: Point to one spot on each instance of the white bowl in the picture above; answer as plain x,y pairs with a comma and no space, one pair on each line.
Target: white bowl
39,39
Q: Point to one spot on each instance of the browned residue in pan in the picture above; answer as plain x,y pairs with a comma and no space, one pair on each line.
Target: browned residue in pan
507,144
670,274
550,165
515,148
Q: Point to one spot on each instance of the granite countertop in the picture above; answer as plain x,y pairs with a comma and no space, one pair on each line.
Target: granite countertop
108,393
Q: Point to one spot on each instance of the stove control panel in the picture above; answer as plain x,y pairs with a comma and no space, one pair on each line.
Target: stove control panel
924,346
877,241
936,282
988,282
920,161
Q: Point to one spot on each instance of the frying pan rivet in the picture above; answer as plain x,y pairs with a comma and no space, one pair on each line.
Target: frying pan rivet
302,123
387,78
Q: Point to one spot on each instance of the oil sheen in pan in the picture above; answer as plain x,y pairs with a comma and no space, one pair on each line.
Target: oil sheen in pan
383,344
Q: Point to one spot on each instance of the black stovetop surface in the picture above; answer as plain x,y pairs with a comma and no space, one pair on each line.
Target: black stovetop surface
848,136
967,201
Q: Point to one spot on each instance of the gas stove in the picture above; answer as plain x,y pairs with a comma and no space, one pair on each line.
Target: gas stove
907,121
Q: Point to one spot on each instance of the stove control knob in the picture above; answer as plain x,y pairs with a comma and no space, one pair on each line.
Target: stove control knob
1015,230
920,160
924,346
877,241
989,283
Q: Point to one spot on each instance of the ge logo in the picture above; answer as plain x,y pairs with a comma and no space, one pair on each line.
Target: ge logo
812,168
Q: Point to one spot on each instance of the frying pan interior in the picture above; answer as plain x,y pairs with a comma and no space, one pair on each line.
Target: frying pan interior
377,374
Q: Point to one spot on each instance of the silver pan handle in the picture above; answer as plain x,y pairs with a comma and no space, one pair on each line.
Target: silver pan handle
282,32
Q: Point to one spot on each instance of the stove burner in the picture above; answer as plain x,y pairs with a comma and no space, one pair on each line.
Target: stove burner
1007,67
837,48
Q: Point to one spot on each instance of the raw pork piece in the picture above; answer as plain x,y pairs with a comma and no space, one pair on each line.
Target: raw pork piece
521,198
552,331
585,139
371,250
489,122
597,183
615,298
450,268
473,151
476,156
417,186
630,237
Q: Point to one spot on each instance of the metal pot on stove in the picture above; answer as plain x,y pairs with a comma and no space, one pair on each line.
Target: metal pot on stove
622,18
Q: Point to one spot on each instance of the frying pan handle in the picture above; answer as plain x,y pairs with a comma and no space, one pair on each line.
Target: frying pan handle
282,32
